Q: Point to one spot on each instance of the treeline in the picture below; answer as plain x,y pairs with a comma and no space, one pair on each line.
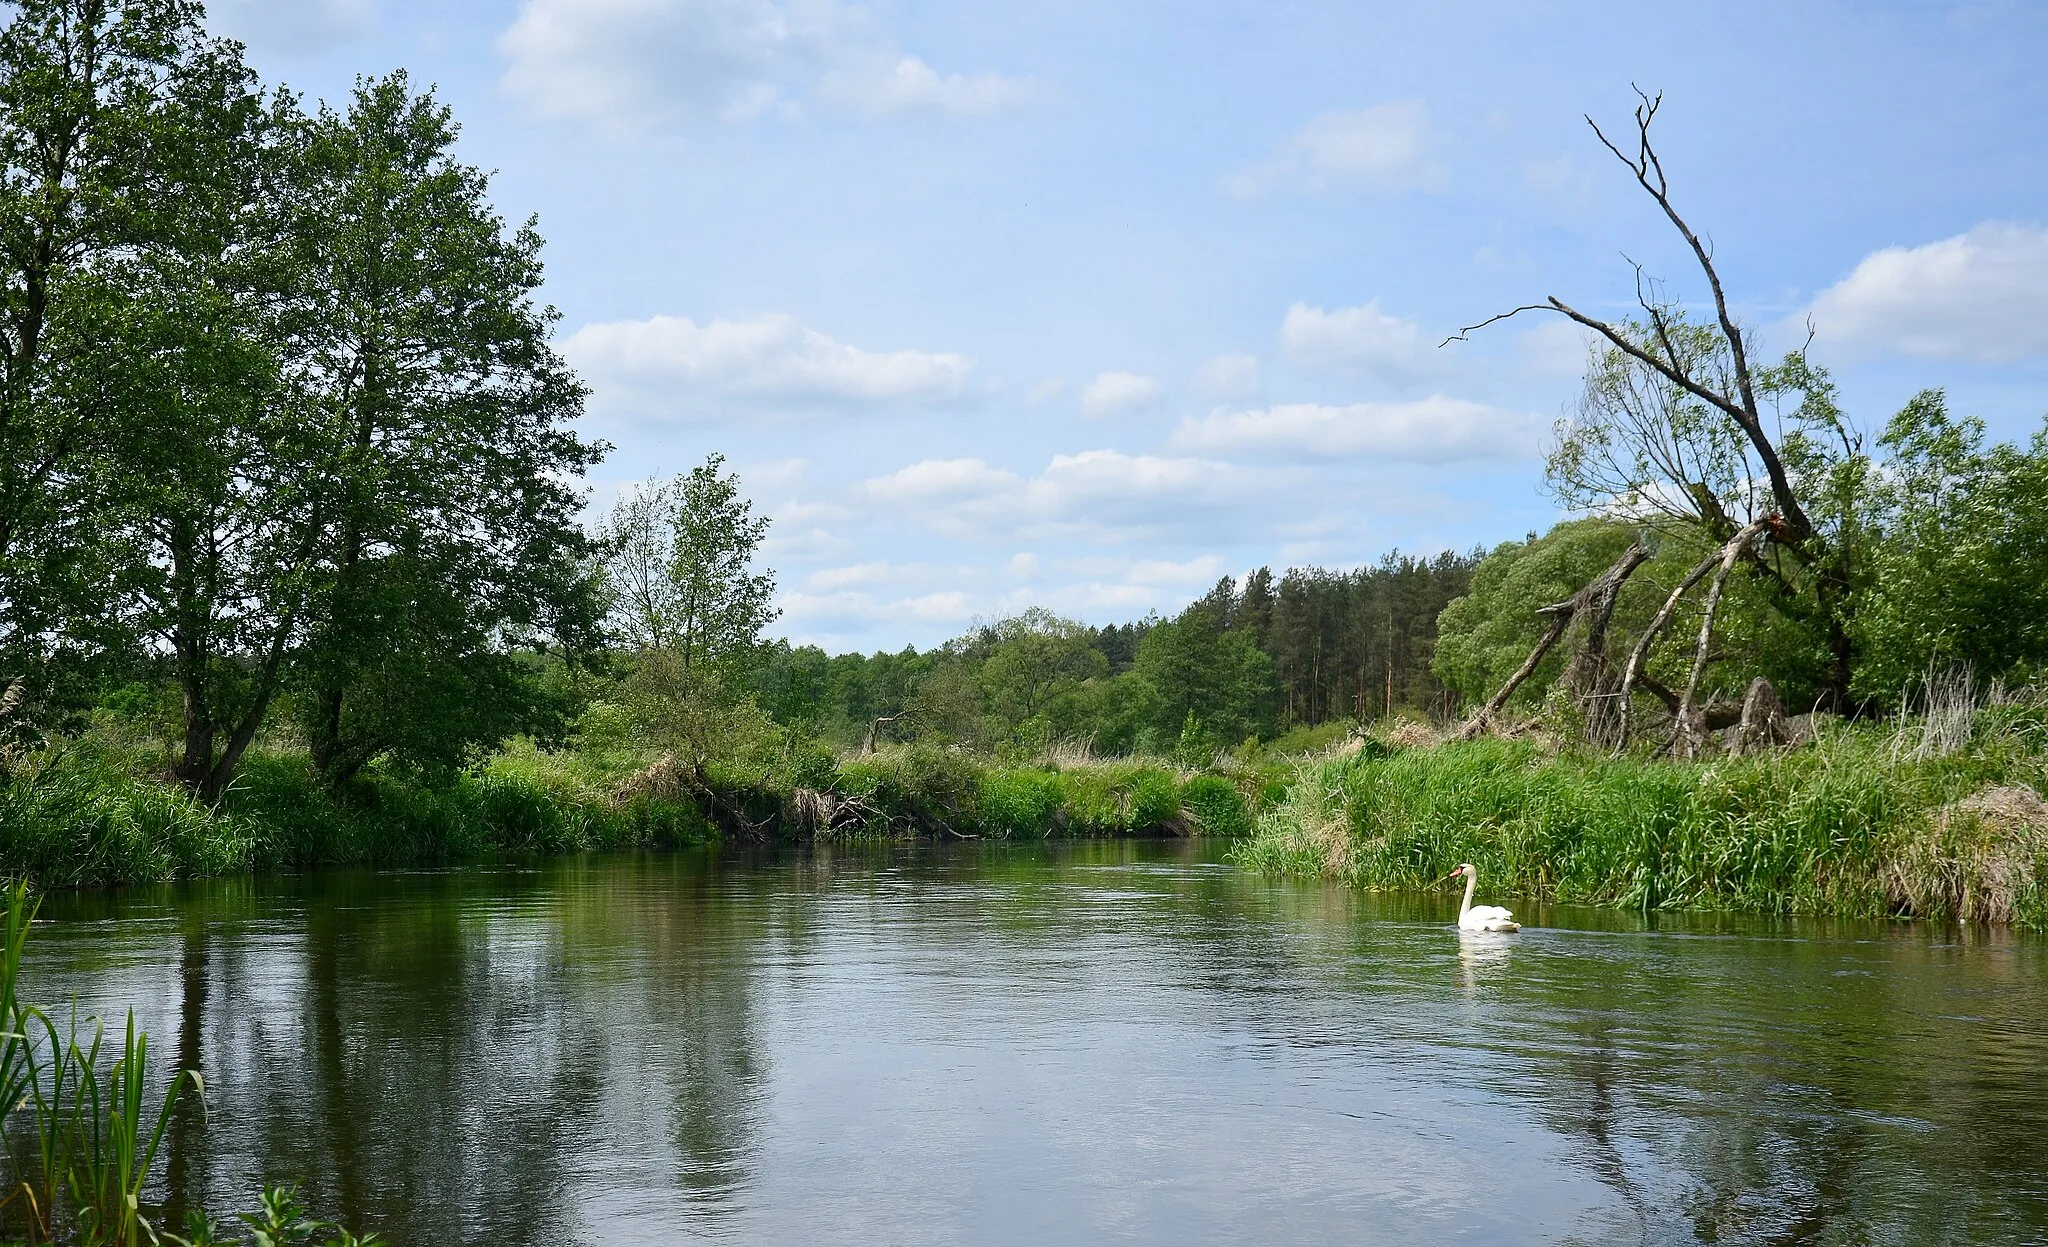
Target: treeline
285,451
1247,661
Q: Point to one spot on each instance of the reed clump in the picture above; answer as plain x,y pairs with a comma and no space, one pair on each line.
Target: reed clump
1846,825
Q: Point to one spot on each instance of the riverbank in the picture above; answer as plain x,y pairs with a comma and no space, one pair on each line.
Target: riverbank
1863,821
92,814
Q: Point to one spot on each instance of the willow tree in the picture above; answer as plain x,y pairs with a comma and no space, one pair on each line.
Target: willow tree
1682,430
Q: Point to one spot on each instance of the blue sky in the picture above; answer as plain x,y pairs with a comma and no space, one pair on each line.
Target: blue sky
1086,304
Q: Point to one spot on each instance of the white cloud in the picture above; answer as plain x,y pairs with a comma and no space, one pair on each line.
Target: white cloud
656,64
295,26
1385,147
937,480
1116,393
1981,295
1100,495
911,86
1229,376
671,365
1435,430
1363,338
1201,571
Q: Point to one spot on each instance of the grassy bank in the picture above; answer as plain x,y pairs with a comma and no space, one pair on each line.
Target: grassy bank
1863,821
90,813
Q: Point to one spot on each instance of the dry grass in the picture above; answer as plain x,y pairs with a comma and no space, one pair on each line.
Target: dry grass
1983,856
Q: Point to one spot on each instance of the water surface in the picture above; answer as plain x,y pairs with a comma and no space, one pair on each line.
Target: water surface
1120,1042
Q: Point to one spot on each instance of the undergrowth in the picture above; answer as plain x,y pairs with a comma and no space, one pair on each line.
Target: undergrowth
1852,824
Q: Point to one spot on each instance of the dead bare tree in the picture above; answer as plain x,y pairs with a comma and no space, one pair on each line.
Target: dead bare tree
1691,373
1737,396
1633,672
867,744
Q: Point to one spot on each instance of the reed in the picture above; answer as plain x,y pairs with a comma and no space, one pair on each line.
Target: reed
1849,825
92,1136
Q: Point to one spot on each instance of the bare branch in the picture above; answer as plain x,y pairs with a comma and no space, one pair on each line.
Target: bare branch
1526,307
1690,739
1596,597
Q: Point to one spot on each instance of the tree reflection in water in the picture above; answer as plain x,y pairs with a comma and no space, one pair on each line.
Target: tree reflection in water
1022,1044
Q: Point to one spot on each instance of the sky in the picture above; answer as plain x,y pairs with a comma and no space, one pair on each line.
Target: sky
1087,304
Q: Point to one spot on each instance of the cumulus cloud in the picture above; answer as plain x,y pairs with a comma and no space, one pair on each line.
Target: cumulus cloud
655,64
1365,339
1385,147
1435,430
1981,295
1117,393
672,365
1102,495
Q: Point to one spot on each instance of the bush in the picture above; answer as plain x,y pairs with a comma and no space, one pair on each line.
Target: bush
1216,806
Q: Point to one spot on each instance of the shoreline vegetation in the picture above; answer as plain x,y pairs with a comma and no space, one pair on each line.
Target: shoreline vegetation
1935,817
296,571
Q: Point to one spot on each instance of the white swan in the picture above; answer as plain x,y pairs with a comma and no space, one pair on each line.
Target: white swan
1480,917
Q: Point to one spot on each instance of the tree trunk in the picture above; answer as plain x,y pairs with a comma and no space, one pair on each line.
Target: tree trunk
1763,725
1633,674
1595,599
1690,739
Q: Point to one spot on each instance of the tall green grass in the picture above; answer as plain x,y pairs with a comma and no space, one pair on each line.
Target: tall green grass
95,815
1850,825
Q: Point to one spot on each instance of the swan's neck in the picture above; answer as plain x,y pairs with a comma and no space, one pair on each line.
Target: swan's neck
1471,882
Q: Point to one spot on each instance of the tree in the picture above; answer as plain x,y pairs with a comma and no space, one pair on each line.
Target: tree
1679,426
419,345
1196,667
679,561
1036,666
221,488
1957,570
93,174
680,557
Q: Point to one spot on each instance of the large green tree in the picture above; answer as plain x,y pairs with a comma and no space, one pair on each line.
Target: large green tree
95,171
1958,576
420,345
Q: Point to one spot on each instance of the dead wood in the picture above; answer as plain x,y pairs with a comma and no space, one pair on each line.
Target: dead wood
1632,674
867,744
1763,726
1690,738
1595,602
1740,405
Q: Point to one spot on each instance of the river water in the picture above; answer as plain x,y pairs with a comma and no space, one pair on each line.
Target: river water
1108,1042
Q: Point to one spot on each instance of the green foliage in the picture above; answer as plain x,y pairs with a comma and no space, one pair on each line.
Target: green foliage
1197,668
1836,828
1216,806
1957,578
1484,636
679,562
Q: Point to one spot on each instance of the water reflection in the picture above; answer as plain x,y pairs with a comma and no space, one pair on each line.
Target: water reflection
979,1043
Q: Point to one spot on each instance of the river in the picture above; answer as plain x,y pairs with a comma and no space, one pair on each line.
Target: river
1103,1042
